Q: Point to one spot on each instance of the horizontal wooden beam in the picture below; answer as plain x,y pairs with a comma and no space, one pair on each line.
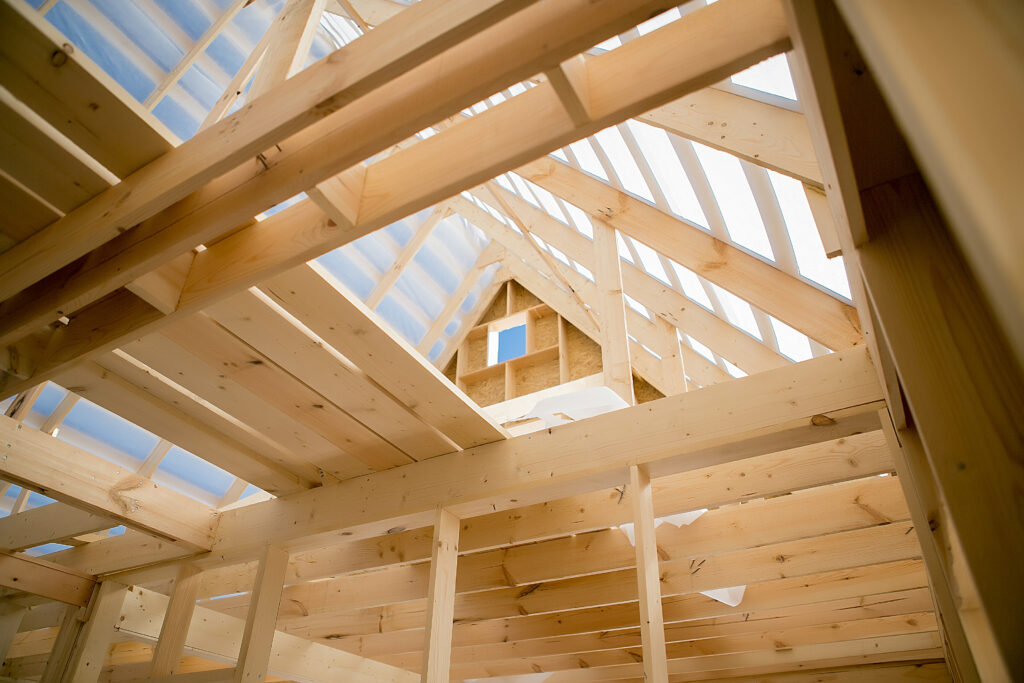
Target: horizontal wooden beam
40,577
785,408
819,511
219,636
49,523
838,590
78,477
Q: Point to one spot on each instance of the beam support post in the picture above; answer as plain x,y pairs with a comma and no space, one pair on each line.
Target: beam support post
261,622
612,309
177,620
652,621
93,642
437,646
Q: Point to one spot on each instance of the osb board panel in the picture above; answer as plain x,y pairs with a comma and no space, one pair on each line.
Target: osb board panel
545,331
644,392
522,298
535,377
584,353
476,354
497,309
487,391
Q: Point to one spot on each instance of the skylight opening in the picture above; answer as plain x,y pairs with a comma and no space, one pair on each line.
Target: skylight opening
582,270
622,161
771,76
548,202
650,261
496,99
609,45
587,158
523,190
732,369
517,89
691,284
291,201
637,306
192,476
46,549
539,241
657,148
623,248
580,219
735,199
792,343
558,255
109,436
737,311
663,19
560,155
700,348
803,233
504,182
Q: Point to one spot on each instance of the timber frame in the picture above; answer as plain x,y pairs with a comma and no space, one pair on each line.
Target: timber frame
739,516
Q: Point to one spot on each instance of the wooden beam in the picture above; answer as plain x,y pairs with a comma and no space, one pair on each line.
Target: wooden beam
47,524
71,624
294,29
177,620
218,636
270,247
75,96
295,105
40,577
90,652
612,308
763,134
85,480
786,408
569,79
437,645
894,230
818,315
729,341
965,88
10,619
648,577
317,299
334,142
672,363
258,635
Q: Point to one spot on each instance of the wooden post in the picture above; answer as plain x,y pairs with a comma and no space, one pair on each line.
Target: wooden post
672,367
93,643
952,365
10,619
177,620
648,579
612,309
437,646
261,622
67,636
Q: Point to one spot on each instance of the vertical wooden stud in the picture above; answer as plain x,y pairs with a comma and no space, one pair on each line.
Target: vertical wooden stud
261,622
437,648
177,619
652,622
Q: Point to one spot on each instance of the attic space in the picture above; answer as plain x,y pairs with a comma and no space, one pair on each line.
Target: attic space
511,341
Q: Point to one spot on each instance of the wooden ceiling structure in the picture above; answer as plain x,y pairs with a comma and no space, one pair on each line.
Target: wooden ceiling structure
869,500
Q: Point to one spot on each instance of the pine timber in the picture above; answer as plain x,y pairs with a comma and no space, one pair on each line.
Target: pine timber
221,263
62,471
